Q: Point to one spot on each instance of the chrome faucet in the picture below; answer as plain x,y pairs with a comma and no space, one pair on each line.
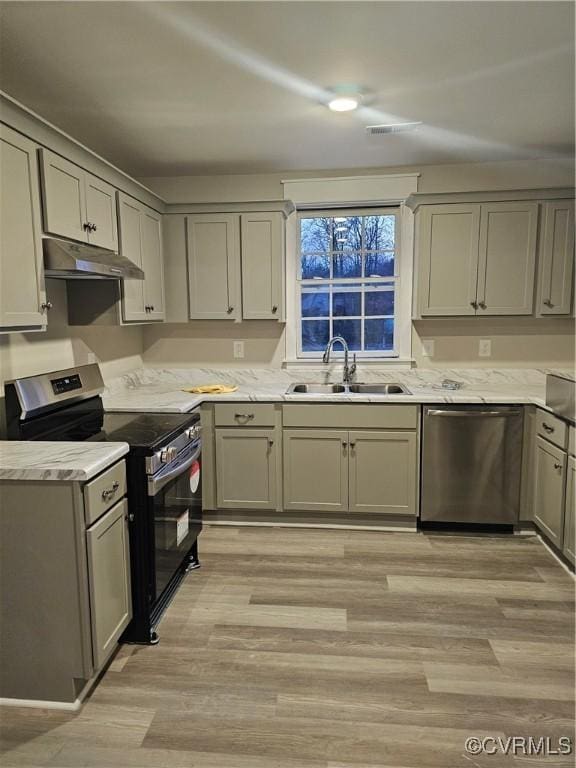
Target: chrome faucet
349,370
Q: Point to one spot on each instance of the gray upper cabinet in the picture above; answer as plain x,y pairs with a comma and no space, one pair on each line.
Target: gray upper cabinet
448,257
556,258
214,267
262,248
76,204
549,481
141,242
22,294
247,468
477,258
507,258
383,472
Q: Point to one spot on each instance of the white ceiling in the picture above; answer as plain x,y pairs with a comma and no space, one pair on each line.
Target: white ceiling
164,89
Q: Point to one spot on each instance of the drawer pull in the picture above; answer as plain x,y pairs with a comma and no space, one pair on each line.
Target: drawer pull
107,493
548,428
474,304
247,416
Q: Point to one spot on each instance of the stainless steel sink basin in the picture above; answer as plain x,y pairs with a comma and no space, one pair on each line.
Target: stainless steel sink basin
378,389
316,389
313,388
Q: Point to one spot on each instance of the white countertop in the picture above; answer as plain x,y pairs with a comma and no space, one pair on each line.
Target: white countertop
160,390
37,460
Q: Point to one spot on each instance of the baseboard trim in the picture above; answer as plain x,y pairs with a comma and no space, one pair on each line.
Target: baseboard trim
66,706
391,527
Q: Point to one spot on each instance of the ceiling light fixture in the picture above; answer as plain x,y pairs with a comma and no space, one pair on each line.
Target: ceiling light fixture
344,103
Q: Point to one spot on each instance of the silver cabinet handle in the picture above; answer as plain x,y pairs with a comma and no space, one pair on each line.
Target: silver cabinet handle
482,305
353,444
46,305
247,416
270,441
548,303
230,310
557,465
274,309
548,428
94,227
474,304
109,492
87,226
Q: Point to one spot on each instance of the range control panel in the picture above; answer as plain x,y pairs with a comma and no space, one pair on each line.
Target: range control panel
66,384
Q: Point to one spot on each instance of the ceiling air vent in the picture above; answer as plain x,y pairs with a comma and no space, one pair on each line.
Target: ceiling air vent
376,130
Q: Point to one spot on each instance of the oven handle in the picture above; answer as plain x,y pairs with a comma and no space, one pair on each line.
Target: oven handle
156,484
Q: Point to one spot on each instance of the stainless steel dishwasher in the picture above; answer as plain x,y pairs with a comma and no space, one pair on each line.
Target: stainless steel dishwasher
471,464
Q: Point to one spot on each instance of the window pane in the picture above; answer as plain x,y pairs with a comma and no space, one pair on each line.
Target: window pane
315,265
379,334
350,330
379,232
379,303
315,235
315,335
347,304
347,265
347,233
315,303
379,264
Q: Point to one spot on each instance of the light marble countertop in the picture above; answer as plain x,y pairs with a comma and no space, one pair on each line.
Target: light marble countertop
160,390
37,460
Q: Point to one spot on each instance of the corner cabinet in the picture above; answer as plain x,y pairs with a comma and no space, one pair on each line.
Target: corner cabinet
22,294
141,242
556,258
236,266
77,205
477,259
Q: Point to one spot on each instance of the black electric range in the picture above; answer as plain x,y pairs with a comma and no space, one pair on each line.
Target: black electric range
163,476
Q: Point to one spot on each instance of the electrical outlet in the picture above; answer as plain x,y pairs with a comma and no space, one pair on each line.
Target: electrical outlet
238,349
485,348
428,347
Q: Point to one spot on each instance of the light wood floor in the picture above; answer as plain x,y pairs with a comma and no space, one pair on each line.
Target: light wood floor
331,649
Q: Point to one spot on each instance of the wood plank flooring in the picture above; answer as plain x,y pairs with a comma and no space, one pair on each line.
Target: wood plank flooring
296,648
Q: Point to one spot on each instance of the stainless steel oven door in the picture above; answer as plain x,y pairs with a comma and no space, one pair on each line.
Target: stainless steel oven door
175,495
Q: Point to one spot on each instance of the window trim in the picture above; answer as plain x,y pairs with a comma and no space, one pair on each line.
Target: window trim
402,352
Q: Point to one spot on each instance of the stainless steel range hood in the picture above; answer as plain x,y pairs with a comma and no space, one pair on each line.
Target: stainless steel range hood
68,260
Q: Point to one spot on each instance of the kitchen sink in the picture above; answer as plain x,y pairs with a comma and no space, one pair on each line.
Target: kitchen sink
316,389
378,389
347,389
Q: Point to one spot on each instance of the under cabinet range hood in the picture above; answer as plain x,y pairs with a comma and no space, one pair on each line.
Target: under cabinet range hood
68,260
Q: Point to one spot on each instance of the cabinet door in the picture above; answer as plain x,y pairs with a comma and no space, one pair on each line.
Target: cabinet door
262,265
21,264
246,468
550,469
64,198
556,258
101,213
109,579
152,263
129,220
569,547
448,256
214,267
315,470
507,258
383,472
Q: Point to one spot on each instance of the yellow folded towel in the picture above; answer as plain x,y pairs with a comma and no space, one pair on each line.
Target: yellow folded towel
211,389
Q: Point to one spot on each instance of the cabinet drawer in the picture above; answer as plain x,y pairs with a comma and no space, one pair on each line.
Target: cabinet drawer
104,491
355,416
551,428
244,415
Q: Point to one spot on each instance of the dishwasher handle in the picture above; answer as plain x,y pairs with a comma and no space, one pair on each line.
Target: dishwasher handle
502,412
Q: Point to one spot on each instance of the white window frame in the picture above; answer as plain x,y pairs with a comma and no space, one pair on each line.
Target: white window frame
402,354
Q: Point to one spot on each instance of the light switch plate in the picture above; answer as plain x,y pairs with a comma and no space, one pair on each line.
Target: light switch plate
238,349
428,347
485,348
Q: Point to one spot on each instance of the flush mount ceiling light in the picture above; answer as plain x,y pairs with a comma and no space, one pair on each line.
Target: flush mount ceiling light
344,103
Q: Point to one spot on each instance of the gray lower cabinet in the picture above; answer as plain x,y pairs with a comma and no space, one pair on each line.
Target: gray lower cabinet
316,469
569,546
360,471
382,472
246,468
549,484
65,595
109,580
